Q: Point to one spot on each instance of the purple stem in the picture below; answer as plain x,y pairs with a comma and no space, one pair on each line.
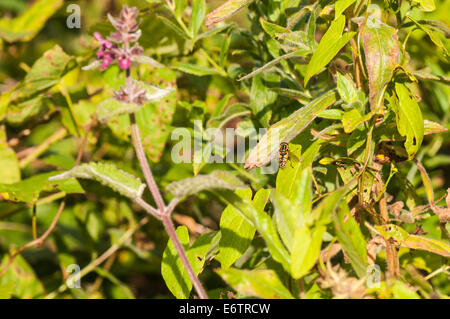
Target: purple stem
164,214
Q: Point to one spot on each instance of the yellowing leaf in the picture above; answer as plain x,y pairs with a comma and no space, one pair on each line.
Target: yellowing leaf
226,10
382,52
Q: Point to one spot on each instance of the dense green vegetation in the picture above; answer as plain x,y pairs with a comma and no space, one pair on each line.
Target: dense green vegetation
110,140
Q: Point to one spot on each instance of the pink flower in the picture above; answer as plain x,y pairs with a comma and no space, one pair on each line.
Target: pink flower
106,61
104,53
124,62
104,44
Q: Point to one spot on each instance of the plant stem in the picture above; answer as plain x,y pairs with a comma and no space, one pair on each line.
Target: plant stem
163,212
168,224
140,153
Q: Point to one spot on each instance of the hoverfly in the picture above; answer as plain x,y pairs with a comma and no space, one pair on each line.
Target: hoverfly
283,154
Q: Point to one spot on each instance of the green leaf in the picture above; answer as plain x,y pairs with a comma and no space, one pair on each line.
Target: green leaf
351,239
6,290
311,29
351,120
9,166
226,10
286,129
432,34
263,224
194,185
262,98
286,217
305,249
175,28
330,44
28,190
108,175
197,17
232,112
180,7
21,279
265,67
273,29
197,70
172,269
237,232
409,119
44,74
154,121
28,24
292,199
340,6
401,291
404,239
257,283
346,88
382,52
426,5
127,293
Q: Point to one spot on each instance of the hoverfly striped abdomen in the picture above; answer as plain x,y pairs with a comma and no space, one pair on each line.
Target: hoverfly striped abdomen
283,154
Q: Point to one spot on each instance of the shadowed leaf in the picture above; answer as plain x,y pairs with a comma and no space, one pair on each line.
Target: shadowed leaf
215,180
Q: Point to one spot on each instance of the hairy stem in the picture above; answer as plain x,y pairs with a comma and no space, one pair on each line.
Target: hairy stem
164,214
140,153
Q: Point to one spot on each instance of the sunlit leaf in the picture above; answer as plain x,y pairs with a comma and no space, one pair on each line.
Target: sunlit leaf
172,269
263,224
196,69
237,232
256,283
197,17
28,190
426,5
330,44
226,10
286,129
305,249
409,118
432,34
351,239
341,5
28,24
21,279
